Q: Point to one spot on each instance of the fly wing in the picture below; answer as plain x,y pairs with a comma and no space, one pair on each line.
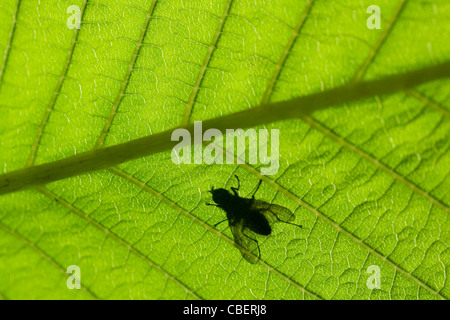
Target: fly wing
248,246
273,212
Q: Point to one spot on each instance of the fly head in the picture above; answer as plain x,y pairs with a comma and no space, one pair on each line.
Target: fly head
220,196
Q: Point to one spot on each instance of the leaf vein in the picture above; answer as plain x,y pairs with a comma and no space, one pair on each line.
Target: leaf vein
126,79
377,163
195,219
206,61
340,229
56,93
386,32
110,156
320,127
287,49
116,238
43,254
427,101
10,39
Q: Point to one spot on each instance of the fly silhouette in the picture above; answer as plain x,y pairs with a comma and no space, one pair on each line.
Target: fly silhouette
249,216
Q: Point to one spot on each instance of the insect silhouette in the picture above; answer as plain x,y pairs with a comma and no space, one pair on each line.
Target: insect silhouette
249,216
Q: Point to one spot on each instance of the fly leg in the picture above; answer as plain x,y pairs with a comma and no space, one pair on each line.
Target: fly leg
211,204
220,222
235,190
297,225
248,256
257,188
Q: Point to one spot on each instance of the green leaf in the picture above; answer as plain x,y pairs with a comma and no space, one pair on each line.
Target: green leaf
85,148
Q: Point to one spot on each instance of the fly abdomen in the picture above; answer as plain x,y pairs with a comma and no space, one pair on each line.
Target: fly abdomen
258,223
248,217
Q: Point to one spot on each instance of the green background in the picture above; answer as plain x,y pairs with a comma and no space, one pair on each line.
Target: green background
369,181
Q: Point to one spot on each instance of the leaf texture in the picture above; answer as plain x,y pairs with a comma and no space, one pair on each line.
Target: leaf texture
369,180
